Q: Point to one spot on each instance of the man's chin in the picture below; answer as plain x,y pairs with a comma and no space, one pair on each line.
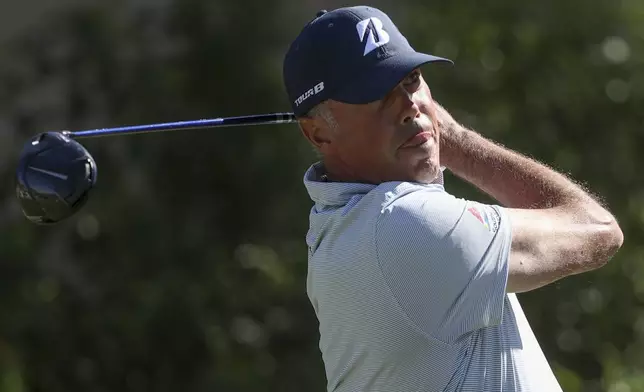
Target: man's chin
426,171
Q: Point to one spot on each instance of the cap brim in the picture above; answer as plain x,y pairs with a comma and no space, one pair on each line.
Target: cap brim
375,83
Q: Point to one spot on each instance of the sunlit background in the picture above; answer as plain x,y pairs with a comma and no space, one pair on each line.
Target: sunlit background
186,270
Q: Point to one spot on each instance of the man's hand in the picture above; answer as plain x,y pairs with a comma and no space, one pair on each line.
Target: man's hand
450,133
558,229
445,120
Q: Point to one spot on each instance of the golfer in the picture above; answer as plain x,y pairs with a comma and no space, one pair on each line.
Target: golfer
415,288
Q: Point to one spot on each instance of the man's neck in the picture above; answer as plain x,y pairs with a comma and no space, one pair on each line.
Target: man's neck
335,171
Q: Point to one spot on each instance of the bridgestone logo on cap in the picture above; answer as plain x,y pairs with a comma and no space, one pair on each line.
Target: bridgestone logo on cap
312,91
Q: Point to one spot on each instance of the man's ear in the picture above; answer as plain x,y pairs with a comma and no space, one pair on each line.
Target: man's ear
316,131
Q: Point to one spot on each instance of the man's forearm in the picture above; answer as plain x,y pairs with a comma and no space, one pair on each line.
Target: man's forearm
514,180
557,228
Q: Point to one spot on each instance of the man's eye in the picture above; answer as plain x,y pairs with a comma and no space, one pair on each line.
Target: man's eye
413,78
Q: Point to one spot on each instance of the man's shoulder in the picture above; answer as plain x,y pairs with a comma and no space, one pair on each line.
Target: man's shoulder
412,217
409,204
431,214
415,201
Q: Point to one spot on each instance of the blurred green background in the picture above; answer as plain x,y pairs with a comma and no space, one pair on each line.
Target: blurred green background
186,270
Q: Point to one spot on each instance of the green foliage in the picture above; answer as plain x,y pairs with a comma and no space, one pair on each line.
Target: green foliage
187,269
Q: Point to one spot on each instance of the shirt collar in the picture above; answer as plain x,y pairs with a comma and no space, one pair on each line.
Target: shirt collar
331,193
339,193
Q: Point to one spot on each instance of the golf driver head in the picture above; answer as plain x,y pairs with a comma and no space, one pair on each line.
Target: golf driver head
54,177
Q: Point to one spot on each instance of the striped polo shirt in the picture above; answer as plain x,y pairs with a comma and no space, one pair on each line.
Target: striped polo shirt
408,285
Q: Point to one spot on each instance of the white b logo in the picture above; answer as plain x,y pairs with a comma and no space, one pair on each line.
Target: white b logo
371,30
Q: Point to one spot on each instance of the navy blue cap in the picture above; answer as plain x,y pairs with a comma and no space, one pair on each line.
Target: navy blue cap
353,55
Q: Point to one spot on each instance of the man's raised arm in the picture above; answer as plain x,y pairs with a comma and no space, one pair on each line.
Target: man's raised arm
558,229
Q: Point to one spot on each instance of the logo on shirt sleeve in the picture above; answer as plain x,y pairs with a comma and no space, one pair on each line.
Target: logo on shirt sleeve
478,216
486,215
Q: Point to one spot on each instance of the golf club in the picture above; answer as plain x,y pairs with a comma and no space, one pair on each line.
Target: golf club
55,173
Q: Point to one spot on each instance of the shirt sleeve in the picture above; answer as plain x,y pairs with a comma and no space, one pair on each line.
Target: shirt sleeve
445,261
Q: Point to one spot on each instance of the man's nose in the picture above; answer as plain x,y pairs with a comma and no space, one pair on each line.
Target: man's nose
409,108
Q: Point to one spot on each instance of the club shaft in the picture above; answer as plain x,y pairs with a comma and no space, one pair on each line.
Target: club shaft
259,119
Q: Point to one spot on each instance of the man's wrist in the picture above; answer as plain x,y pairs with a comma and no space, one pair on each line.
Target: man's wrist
453,139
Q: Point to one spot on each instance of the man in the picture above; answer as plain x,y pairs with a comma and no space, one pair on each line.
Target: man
414,288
